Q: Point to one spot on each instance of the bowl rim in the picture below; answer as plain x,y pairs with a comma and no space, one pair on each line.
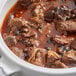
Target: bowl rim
8,53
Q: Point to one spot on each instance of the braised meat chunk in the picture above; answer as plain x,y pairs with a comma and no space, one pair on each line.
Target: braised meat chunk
42,32
69,57
73,44
53,60
63,39
38,57
52,56
19,26
10,40
66,26
59,64
58,13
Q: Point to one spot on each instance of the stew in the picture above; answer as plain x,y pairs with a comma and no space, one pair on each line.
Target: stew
42,32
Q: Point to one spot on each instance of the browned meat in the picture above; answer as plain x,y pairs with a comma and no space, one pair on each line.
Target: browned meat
53,60
21,27
16,25
27,51
63,39
66,26
25,3
73,44
69,57
37,23
17,51
16,22
73,11
59,64
10,40
28,42
29,34
58,13
75,2
52,57
73,14
38,57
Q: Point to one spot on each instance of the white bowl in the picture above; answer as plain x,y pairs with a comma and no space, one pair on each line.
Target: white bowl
12,64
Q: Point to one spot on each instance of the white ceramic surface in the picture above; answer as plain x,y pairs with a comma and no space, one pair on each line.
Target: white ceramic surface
12,64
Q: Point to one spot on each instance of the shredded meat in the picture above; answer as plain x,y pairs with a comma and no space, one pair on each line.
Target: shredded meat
66,26
63,39
38,57
59,64
69,57
10,40
20,27
58,13
52,56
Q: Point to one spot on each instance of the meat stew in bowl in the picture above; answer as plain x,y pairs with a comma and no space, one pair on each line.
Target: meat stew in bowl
42,32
